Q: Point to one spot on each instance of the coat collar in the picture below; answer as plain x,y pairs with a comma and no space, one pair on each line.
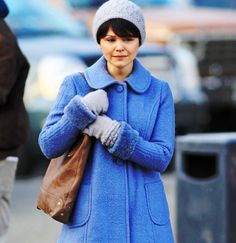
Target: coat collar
98,77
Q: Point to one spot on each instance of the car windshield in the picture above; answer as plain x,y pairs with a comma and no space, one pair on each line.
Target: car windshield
34,17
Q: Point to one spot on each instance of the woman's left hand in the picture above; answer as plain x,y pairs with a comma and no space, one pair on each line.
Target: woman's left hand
105,129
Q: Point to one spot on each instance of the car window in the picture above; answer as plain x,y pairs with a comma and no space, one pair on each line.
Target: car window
32,18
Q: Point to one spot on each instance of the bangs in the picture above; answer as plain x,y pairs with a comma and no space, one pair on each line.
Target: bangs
120,27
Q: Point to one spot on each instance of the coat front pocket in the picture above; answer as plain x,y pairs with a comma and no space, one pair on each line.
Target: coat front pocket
82,208
157,203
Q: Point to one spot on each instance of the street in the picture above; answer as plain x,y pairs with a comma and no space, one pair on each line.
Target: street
29,225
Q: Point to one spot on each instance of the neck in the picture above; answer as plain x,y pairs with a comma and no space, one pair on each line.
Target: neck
119,74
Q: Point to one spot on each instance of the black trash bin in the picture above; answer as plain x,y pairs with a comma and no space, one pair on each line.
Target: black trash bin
206,188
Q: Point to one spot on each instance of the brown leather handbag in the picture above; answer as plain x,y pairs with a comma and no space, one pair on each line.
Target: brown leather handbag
61,182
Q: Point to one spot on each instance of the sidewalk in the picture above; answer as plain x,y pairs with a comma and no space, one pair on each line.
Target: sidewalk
29,225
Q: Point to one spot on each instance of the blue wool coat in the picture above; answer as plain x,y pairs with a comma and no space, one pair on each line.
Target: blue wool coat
122,198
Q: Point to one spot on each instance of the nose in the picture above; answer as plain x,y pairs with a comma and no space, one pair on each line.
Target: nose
120,47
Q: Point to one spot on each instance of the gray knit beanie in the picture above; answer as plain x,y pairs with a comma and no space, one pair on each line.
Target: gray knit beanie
123,9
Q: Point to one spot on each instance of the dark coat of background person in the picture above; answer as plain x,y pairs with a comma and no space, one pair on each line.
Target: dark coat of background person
14,69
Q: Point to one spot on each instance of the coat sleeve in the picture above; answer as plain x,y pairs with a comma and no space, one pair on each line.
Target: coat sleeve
156,153
8,61
68,117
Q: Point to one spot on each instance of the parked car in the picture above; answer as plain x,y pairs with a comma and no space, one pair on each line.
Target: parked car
52,57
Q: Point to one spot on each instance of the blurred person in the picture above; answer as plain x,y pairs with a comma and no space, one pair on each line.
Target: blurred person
130,115
13,117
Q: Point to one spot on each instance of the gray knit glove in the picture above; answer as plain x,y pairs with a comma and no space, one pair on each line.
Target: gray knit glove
96,101
105,129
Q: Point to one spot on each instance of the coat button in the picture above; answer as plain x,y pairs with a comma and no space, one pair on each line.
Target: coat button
119,88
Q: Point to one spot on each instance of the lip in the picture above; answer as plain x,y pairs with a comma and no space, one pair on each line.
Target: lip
120,56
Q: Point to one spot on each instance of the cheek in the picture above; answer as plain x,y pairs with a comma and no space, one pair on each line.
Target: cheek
106,55
106,51
134,51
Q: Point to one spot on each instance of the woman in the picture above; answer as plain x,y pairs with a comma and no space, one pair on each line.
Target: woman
131,115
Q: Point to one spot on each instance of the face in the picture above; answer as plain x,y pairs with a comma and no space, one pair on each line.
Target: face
119,51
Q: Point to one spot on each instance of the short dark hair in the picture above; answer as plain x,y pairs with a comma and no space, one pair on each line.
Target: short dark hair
121,27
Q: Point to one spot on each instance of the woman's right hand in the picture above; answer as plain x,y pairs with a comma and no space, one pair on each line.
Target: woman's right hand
96,101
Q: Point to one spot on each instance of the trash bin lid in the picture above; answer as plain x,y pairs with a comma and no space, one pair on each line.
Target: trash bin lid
208,138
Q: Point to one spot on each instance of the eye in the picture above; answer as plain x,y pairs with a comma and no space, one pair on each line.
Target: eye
128,39
110,39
